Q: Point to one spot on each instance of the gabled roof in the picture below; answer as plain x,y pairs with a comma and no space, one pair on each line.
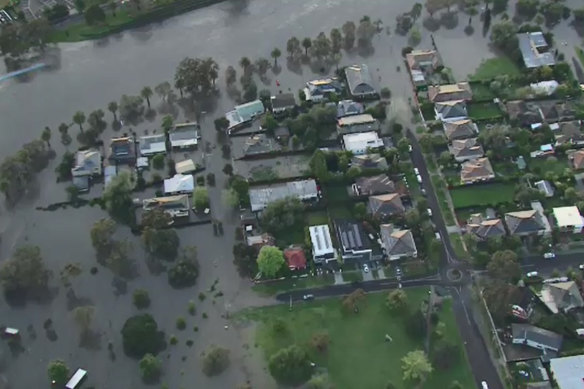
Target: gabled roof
452,92
528,221
179,183
418,59
369,161
184,135
485,229
577,159
460,129
385,205
534,50
259,144
374,185
562,296
152,144
476,169
168,203
351,236
348,108
359,80
283,100
87,162
466,148
261,196
397,242
568,132
122,150
451,109
548,339
295,258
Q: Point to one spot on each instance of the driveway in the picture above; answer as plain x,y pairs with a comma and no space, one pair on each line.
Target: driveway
367,275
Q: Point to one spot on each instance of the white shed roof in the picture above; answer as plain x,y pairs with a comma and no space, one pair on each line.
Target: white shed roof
185,166
568,217
261,196
361,141
568,371
179,184
320,237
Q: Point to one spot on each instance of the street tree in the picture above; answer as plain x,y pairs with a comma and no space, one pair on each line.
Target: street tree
102,234
96,122
433,6
230,75
416,367
349,30
275,54
196,75
58,372
290,366
336,40
79,119
365,33
83,317
504,266
321,46
228,169
113,108
200,198
230,198
131,107
46,136
245,260
150,367
163,90
270,261
140,336
159,240
403,146
66,139
167,123
282,214
185,271
215,360
245,64
504,35
141,298
318,166
293,48
25,271
94,14
119,261
117,198
146,94
320,341
397,300
307,44
352,301
262,65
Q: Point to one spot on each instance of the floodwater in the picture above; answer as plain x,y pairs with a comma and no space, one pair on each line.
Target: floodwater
88,76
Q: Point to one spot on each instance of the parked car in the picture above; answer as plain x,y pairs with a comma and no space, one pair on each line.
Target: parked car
484,385
423,191
366,268
308,297
438,237
429,212
419,178
549,255
416,171
581,267
532,274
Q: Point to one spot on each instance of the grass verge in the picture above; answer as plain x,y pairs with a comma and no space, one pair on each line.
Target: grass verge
456,240
280,286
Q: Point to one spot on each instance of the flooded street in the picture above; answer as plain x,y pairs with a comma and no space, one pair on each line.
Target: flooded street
90,75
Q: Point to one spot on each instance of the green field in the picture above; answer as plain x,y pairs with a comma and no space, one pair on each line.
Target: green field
483,111
358,355
493,67
482,195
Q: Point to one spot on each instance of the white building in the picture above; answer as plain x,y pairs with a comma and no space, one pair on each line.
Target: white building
322,246
153,144
184,136
359,143
179,184
569,218
568,372
261,196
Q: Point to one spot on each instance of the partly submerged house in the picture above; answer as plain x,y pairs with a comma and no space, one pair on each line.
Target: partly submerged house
360,82
362,142
282,102
122,151
179,183
176,206
184,136
348,108
535,50
87,163
421,64
244,114
397,243
321,90
152,144
261,196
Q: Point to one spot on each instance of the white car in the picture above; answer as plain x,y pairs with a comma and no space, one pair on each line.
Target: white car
366,268
410,148
532,274
416,171
484,385
429,212
549,255
581,267
419,178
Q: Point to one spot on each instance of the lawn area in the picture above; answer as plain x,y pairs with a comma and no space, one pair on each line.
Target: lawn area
542,165
4,3
335,194
476,195
481,92
493,67
456,241
280,286
483,111
317,218
441,195
81,31
292,235
358,355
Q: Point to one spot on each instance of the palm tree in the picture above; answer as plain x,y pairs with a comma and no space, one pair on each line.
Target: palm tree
167,123
113,5
146,93
306,43
244,62
79,119
66,139
46,136
63,128
113,107
276,53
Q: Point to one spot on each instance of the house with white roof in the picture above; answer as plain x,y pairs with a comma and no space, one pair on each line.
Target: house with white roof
322,244
568,219
152,144
87,163
568,372
179,183
184,136
359,143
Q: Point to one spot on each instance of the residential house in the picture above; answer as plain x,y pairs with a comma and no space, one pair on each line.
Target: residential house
322,246
87,163
536,337
460,129
534,113
186,166
397,243
321,90
568,372
354,242
385,205
553,111
184,136
544,151
176,206
528,222
485,228
422,63
369,161
152,144
452,92
545,187
535,50
360,143
283,102
348,108
568,133
259,144
465,149
476,170
561,296
373,185
244,114
295,258
261,196
122,151
179,184
568,219
360,82
522,112
260,241
450,111
357,123
577,159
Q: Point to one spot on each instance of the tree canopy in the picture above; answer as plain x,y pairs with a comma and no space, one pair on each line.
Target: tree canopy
185,271
290,366
25,271
215,360
415,366
504,266
141,336
282,214
150,367
397,300
270,261
58,372
196,75
160,241
117,198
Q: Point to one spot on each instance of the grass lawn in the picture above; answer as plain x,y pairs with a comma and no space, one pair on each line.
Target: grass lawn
542,165
481,92
456,241
4,3
353,276
275,287
80,32
358,356
476,195
317,218
482,111
335,194
292,235
441,195
493,67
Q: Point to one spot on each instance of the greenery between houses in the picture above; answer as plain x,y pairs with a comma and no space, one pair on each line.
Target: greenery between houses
482,195
493,67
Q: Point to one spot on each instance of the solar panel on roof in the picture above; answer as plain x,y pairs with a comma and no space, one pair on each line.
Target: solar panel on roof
357,236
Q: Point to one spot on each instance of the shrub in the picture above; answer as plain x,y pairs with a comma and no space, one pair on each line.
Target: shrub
141,298
215,360
181,323
385,92
158,161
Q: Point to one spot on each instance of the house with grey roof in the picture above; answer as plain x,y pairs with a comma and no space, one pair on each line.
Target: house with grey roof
348,108
122,151
373,185
422,64
259,144
385,205
451,92
369,161
476,170
357,123
87,163
528,222
360,82
176,206
152,144
547,341
561,296
568,133
465,149
184,135
261,196
244,114
483,228
450,110
282,102
397,243
535,50
460,129
354,243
